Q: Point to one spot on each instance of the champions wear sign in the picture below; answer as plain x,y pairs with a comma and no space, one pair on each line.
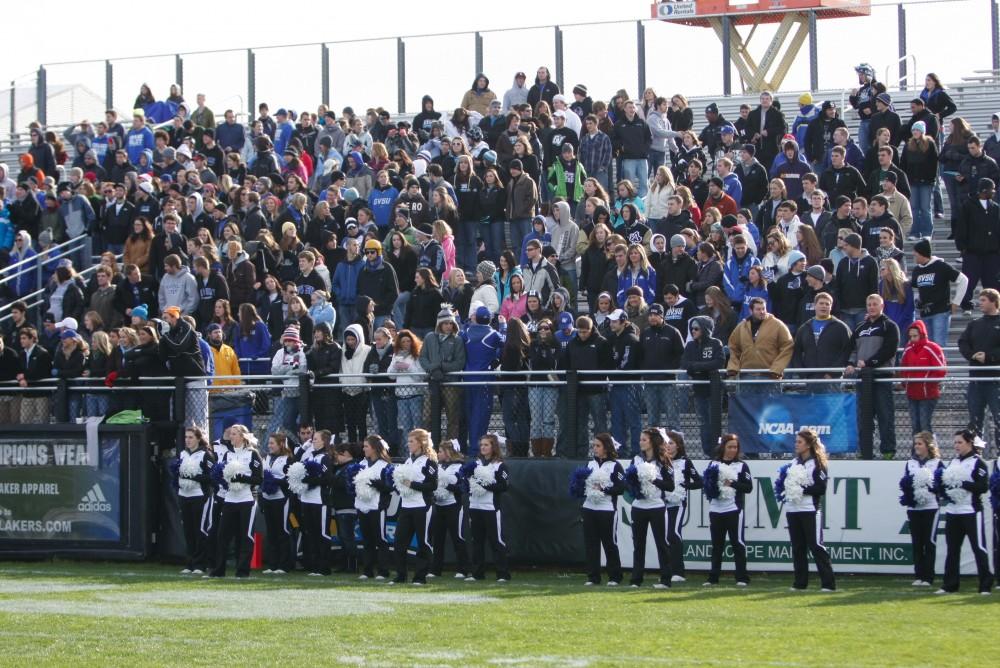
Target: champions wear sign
768,423
51,490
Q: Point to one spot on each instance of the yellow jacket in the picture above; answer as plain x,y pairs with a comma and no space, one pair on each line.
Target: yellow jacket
226,364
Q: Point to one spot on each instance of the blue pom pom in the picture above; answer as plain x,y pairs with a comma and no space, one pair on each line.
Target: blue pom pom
467,469
943,497
632,484
217,478
269,485
352,472
711,478
995,488
313,467
779,484
578,482
387,472
175,472
906,496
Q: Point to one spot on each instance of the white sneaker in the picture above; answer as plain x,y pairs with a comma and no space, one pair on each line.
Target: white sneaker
379,577
431,575
501,580
795,589
918,583
967,313
362,577
459,576
197,571
678,578
985,593
186,571
827,591
417,584
942,591
634,586
707,584
660,585
742,584
315,575
470,579
278,571
392,582
588,583
267,571
612,583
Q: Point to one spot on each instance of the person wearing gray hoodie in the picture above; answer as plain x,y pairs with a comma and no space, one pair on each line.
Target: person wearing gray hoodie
7,182
443,353
178,287
517,94
564,237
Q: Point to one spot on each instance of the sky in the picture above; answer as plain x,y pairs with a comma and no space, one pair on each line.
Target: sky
951,38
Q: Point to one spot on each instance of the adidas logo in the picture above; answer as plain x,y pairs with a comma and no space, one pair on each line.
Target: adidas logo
94,501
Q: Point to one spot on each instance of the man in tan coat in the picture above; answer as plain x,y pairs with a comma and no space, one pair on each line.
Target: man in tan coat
760,342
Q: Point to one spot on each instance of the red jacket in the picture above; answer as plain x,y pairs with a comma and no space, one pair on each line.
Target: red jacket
923,353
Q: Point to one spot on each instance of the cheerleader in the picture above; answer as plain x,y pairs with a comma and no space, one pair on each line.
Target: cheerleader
727,480
805,485
415,480
489,479
649,509
371,498
449,515
194,490
345,455
963,483
242,471
600,511
275,504
310,484
922,505
220,449
686,478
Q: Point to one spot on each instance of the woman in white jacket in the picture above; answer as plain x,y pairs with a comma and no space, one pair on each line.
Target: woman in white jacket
355,395
660,190
485,293
406,372
289,361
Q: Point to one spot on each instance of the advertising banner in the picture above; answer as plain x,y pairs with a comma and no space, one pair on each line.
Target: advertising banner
767,423
864,527
52,490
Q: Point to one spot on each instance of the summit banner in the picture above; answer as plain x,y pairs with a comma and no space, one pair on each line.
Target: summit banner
767,423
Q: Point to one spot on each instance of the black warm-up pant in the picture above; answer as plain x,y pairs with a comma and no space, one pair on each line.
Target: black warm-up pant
412,522
923,538
644,519
675,537
376,550
487,525
957,529
236,527
600,530
278,554
805,529
449,520
315,528
721,526
196,516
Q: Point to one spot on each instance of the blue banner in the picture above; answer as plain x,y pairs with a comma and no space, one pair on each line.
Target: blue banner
769,422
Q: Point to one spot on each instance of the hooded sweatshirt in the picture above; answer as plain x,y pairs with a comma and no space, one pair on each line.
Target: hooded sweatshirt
515,95
478,99
564,237
7,182
353,361
180,290
704,355
923,353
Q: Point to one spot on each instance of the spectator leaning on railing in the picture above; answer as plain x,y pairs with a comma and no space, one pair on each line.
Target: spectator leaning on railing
874,344
980,346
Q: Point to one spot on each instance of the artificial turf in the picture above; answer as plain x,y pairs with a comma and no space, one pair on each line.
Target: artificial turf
71,614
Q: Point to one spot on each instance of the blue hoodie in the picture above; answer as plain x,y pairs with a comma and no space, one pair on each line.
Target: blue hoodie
137,141
100,147
27,278
735,274
380,201
749,294
282,136
731,186
807,113
345,281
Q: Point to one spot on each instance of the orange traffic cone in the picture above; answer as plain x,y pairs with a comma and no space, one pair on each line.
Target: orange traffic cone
257,559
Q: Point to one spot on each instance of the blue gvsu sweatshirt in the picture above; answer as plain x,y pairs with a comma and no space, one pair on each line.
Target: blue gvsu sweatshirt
137,141
381,200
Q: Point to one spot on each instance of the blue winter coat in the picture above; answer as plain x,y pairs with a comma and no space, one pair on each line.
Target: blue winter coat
735,276
345,281
644,279
137,141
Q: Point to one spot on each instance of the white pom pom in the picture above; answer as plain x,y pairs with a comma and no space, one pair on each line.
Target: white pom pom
296,479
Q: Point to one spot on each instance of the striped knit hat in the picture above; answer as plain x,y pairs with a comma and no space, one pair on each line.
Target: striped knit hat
291,334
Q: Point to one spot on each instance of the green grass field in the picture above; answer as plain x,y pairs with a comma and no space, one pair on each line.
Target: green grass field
68,614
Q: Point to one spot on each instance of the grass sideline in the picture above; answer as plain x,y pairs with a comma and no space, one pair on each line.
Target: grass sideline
62,613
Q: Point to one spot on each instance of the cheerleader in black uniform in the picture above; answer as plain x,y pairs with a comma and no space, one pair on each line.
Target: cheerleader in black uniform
649,511
725,488
600,511
449,512
686,478
220,449
274,503
415,481
963,483
315,521
194,490
239,509
345,455
489,479
922,505
371,499
803,510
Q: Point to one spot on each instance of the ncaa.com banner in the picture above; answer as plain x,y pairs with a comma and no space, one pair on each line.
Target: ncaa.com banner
864,527
769,422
